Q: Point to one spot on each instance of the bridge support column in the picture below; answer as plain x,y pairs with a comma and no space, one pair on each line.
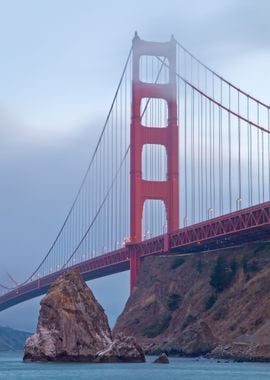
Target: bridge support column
141,189
135,266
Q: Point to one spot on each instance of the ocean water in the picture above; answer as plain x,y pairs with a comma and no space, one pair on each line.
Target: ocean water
12,368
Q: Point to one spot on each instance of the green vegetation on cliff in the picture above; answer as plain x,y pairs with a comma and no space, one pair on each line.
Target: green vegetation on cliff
158,327
223,273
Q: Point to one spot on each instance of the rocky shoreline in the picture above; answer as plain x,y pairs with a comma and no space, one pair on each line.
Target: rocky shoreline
210,305
214,305
225,353
241,352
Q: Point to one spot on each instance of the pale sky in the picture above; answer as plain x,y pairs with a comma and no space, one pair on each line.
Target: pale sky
61,61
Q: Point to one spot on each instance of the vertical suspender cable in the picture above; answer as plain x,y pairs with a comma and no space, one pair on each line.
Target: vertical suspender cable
192,159
268,124
185,159
258,155
262,158
230,154
239,154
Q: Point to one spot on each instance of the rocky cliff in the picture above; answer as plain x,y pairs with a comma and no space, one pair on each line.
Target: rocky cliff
213,302
72,326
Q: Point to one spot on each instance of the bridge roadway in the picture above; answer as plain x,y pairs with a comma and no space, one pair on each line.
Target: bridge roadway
242,226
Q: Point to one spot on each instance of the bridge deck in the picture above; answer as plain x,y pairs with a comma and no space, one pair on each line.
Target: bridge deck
248,224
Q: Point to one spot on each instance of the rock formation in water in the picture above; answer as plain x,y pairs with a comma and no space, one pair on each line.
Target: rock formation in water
162,359
213,303
72,326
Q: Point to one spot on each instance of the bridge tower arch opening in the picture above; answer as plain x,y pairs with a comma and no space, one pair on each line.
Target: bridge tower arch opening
167,136
154,219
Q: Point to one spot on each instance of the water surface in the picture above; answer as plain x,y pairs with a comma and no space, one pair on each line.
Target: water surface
12,368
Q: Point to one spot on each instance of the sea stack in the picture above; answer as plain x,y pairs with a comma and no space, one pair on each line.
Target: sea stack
162,359
72,326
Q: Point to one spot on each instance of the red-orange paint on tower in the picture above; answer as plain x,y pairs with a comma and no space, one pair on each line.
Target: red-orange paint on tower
141,189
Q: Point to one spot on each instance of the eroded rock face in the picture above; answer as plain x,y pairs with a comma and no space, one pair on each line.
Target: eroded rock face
122,349
72,326
242,352
197,339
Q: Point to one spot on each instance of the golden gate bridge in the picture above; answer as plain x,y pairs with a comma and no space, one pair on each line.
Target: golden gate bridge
182,164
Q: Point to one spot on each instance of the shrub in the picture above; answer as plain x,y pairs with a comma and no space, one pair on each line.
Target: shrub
234,267
210,301
249,266
223,274
174,301
253,267
258,322
177,262
199,266
261,246
157,328
245,264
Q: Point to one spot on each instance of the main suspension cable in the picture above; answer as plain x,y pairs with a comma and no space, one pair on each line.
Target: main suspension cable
84,177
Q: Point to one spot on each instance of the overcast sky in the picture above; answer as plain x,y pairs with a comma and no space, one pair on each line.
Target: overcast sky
60,64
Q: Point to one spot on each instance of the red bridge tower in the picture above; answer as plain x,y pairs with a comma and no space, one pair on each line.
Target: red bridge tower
140,189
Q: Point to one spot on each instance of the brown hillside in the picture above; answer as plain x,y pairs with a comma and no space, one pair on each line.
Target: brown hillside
174,307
